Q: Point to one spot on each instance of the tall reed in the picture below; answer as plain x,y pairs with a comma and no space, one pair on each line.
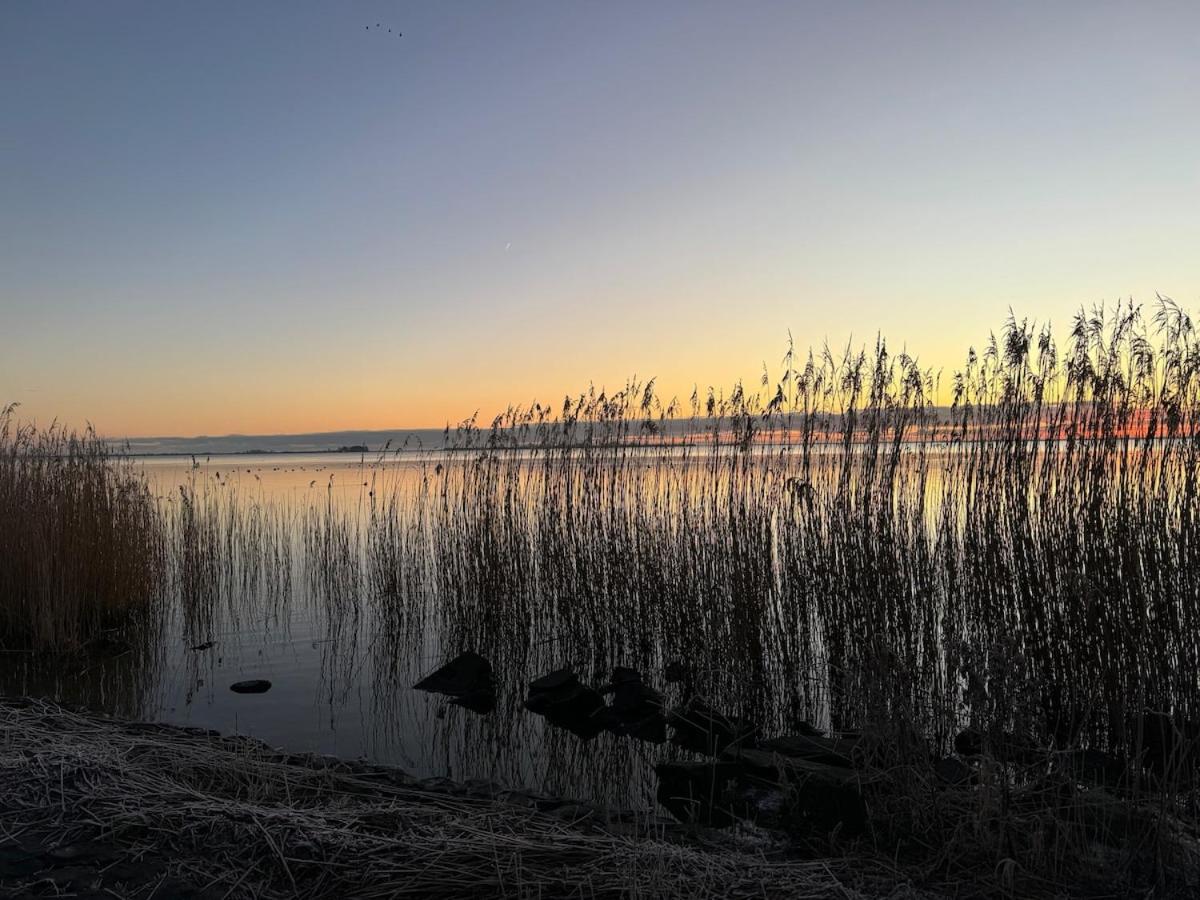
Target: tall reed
81,542
835,544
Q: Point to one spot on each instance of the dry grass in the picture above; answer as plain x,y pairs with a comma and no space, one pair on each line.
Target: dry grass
249,822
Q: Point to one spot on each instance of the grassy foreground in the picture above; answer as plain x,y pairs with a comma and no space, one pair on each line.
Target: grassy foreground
233,818
95,806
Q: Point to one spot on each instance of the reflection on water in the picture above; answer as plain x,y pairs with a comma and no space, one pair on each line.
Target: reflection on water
783,590
278,591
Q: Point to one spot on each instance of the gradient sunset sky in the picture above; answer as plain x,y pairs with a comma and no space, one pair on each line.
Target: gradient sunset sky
253,217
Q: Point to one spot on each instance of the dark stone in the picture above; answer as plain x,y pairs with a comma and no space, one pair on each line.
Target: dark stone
566,703
818,798
637,708
623,675
253,686
953,771
969,742
467,679
558,680
702,729
830,751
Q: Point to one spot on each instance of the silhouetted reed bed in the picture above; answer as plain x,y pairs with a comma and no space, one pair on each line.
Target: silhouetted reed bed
1015,569
1000,567
81,541
231,555
836,547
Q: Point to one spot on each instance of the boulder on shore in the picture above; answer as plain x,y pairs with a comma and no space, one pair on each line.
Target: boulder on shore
467,680
569,704
637,708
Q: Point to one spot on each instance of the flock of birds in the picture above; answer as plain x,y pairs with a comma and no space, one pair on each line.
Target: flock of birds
380,27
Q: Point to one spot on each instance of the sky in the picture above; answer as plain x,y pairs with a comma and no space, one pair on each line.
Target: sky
274,217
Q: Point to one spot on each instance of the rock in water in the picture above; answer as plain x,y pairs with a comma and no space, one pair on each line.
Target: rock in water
637,708
700,728
467,680
253,686
567,703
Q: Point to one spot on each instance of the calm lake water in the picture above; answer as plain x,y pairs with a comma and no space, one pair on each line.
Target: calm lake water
785,591
336,688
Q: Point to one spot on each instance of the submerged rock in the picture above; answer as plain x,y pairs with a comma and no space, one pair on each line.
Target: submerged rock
637,708
702,729
567,703
467,680
253,686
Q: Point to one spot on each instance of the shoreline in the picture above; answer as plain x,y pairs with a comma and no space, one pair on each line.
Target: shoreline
100,807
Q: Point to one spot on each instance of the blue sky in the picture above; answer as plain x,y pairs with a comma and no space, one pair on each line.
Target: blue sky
266,217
